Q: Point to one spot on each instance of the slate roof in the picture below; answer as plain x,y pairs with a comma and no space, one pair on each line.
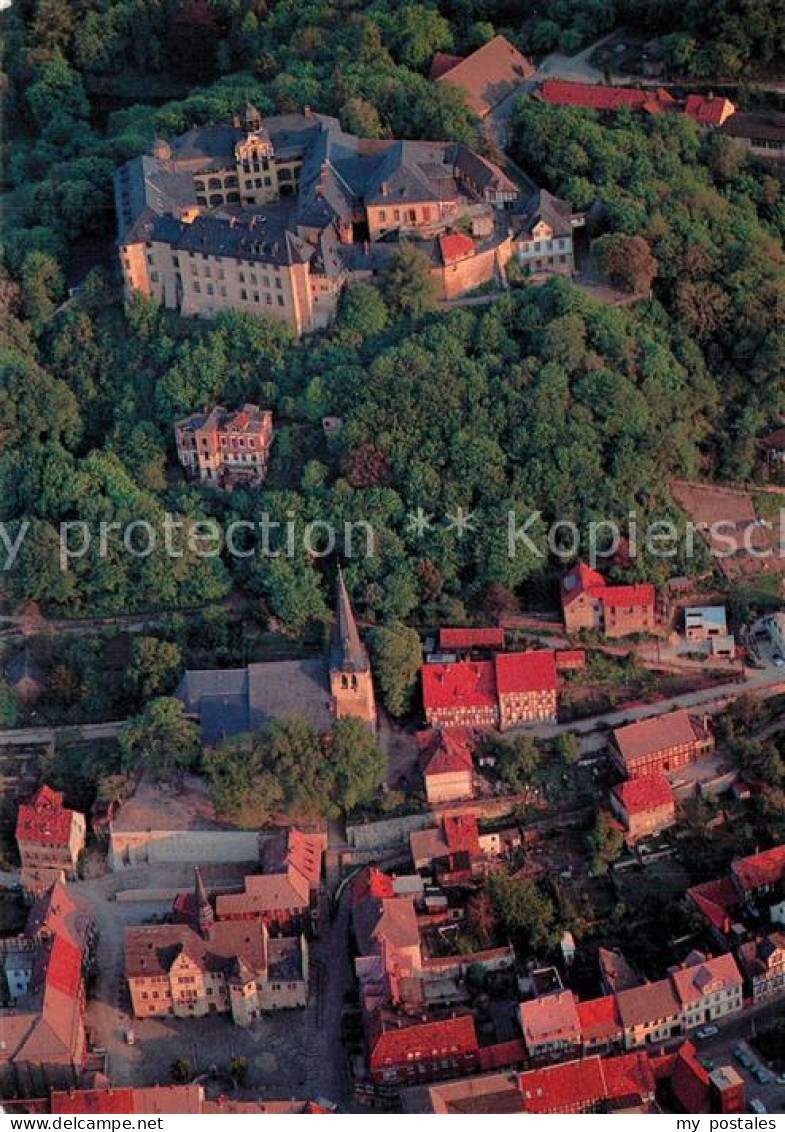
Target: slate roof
544,207
151,950
235,701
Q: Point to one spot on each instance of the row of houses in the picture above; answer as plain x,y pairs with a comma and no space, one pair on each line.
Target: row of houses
745,913
42,991
699,991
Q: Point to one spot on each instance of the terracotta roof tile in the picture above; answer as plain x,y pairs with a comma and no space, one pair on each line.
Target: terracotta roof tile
644,795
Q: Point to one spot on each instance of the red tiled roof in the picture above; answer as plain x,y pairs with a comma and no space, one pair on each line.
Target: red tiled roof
392,1046
454,246
563,1088
471,638
629,1075
717,900
442,63
525,672
182,1099
583,579
708,110
64,969
570,659
446,752
760,869
460,833
465,684
578,580
44,819
616,596
371,882
502,1055
599,1019
643,795
560,92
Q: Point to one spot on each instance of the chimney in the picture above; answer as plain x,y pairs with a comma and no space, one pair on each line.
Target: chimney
252,222
385,188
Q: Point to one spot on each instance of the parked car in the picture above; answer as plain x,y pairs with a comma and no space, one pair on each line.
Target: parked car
706,1032
762,1075
758,1106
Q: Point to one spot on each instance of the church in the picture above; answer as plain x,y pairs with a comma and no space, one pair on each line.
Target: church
235,701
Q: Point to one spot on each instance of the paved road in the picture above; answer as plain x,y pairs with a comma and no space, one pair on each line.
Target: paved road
739,1028
30,736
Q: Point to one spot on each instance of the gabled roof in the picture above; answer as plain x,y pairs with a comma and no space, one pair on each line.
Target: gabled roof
45,820
761,869
489,75
708,109
648,736
705,977
392,920
181,1099
544,207
454,246
563,1088
392,1039
520,672
718,900
579,580
599,1019
553,1018
446,752
690,1080
616,971
466,684
643,1005
471,639
442,63
590,96
370,882
644,795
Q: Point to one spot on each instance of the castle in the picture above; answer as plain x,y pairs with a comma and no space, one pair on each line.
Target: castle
276,215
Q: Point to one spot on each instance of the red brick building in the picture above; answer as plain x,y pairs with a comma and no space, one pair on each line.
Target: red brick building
660,745
214,445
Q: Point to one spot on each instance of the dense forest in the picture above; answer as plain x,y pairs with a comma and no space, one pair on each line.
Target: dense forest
543,401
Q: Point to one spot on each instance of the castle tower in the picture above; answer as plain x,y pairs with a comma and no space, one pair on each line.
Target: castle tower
351,683
203,909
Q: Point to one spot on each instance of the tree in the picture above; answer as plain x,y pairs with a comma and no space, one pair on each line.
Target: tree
42,287
362,118
517,759
161,740
181,1071
628,261
606,842
525,910
358,765
396,650
481,919
9,705
155,667
408,285
569,748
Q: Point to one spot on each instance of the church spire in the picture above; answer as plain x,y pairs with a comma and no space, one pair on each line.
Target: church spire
348,654
204,914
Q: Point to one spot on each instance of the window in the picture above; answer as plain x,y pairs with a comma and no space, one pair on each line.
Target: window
197,288
280,300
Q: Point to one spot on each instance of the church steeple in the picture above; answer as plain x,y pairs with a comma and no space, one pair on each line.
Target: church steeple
203,909
350,669
348,652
